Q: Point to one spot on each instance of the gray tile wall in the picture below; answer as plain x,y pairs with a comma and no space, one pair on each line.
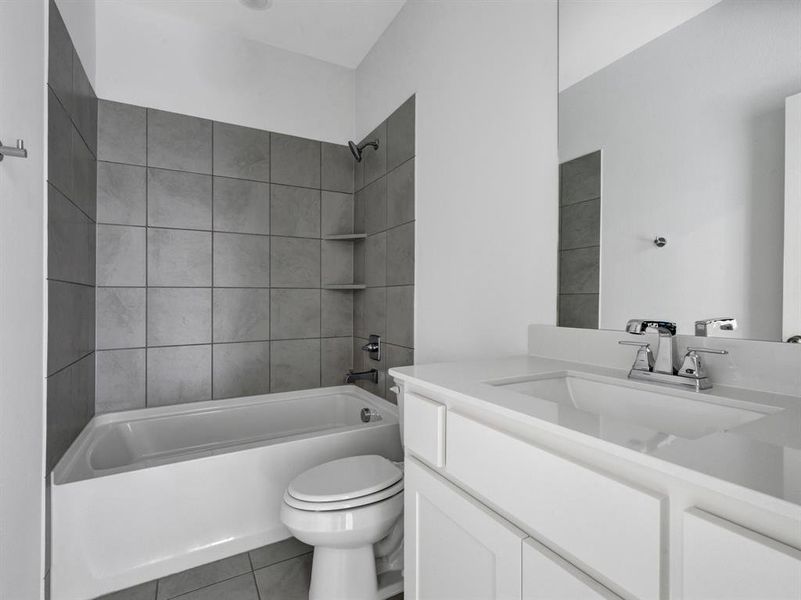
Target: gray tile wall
72,175
384,261
579,241
211,262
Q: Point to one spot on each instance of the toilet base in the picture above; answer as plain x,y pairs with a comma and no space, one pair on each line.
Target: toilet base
343,574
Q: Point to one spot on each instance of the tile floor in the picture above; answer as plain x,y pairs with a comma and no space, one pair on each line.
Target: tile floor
280,571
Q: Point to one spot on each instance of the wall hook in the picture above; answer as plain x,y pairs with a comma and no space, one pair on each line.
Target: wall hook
660,242
18,151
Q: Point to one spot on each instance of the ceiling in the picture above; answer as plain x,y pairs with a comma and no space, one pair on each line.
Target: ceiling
337,31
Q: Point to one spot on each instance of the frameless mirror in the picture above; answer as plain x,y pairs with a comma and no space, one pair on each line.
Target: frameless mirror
680,164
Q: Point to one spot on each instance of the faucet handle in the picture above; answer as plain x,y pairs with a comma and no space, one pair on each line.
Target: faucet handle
706,350
692,366
645,358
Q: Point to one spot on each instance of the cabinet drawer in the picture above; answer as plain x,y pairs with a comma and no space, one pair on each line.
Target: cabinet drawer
606,527
424,428
725,561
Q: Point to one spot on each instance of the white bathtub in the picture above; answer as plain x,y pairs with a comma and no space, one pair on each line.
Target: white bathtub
145,493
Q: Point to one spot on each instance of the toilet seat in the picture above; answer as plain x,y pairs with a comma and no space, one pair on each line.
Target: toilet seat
345,483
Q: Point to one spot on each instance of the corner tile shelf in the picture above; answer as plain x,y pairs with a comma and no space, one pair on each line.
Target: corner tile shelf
344,286
345,236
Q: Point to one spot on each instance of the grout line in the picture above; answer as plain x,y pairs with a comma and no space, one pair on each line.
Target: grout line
65,367
54,280
71,201
211,293
147,258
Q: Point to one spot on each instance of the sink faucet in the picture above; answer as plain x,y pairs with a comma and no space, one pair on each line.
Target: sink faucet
664,359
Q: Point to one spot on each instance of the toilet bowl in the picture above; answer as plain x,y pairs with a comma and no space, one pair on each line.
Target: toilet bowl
351,511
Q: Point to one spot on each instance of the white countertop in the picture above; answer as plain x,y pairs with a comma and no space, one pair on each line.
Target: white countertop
762,456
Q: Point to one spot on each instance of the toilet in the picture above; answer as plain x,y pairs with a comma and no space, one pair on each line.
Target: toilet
351,511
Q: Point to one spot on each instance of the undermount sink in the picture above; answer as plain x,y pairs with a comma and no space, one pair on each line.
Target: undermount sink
666,412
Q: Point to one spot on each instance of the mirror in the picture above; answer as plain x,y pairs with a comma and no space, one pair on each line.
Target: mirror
680,166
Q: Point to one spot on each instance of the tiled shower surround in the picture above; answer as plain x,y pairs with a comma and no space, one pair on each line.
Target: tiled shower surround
212,262
71,188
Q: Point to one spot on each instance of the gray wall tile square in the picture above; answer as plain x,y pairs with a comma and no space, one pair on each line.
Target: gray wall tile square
120,317
241,152
360,261
71,241
278,552
358,176
242,587
579,271
580,225
60,55
121,133
400,255
400,134
178,142
241,260
121,194
375,260
580,179
288,580
178,316
375,161
294,365
294,161
59,147
578,310
176,199
120,380
337,213
337,357
84,176
70,405
84,109
294,314
120,255
294,211
178,374
71,323
202,576
337,168
360,313
375,311
241,315
337,262
400,194
336,313
295,262
241,369
241,206
374,197
178,258
359,212
400,316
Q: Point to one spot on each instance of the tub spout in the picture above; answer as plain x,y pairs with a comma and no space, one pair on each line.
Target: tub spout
371,375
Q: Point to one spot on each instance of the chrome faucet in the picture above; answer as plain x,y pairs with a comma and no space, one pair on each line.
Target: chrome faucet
664,359
704,327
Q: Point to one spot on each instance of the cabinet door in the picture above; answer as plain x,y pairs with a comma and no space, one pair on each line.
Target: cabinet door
455,548
547,576
723,561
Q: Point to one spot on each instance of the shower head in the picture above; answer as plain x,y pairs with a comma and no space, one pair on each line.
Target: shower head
357,150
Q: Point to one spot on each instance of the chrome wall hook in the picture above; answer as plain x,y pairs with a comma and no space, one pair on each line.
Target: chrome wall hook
17,151
660,242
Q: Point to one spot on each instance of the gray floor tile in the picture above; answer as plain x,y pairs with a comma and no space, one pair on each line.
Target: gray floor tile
294,314
146,591
400,316
374,162
294,161
120,317
580,225
294,211
241,260
121,133
178,142
295,262
178,374
241,315
579,271
178,258
288,580
400,255
203,576
71,241
120,380
400,194
178,316
238,588
241,206
241,152
336,359
337,213
400,134
580,179
336,313
121,194
277,552
241,369
337,168
120,255
176,199
294,365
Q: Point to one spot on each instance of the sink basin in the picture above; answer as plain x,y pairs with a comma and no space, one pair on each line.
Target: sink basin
665,412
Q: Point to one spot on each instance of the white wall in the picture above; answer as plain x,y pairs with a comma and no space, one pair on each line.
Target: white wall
162,62
692,131
22,314
79,17
595,33
486,166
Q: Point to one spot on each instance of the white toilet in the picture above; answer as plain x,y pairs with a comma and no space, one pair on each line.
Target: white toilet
351,511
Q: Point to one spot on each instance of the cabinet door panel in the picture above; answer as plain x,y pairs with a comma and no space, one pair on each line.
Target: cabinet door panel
455,548
723,561
547,576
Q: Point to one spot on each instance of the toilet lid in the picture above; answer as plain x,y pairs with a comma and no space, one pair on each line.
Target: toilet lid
345,479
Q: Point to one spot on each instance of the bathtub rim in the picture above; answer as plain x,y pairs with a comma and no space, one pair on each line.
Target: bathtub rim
80,447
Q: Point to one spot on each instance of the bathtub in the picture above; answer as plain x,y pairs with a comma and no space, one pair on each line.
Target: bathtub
145,493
